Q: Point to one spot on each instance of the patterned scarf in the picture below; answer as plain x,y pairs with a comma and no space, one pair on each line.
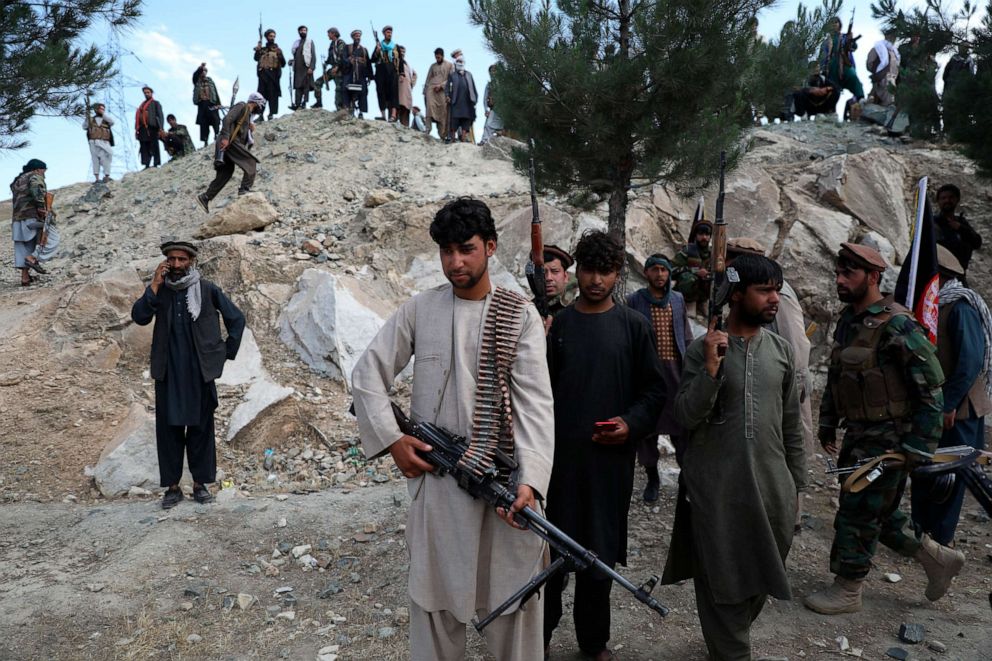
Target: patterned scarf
953,291
193,294
141,117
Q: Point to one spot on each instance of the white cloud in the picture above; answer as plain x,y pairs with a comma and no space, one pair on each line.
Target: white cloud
174,63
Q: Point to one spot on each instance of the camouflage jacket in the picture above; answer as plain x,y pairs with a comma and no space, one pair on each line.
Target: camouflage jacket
684,279
902,344
28,192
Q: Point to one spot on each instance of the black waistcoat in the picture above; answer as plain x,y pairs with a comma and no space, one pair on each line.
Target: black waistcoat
211,350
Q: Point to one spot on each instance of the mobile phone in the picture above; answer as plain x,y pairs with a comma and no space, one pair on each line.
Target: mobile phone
606,425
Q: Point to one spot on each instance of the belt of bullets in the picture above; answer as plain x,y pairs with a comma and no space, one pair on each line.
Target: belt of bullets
492,420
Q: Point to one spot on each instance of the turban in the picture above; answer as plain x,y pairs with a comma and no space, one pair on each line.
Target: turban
257,99
34,164
174,244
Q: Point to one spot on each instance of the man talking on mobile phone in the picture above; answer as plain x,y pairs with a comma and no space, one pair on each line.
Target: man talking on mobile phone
609,389
188,355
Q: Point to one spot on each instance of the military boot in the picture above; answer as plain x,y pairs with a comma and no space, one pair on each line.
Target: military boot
844,596
941,565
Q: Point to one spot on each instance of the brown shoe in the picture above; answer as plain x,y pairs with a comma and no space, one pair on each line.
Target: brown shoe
844,596
941,565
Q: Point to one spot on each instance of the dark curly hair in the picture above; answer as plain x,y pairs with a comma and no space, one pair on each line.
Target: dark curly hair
459,220
598,252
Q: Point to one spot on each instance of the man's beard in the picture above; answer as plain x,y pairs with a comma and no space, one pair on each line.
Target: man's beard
852,295
175,275
473,279
757,317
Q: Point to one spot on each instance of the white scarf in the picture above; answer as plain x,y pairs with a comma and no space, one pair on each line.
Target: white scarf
193,294
305,50
953,291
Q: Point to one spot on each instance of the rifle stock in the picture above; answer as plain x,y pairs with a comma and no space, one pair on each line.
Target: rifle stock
535,267
446,451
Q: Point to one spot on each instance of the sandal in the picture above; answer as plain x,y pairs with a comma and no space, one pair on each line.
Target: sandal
36,265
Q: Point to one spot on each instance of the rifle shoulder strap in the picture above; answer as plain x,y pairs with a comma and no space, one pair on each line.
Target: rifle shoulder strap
492,420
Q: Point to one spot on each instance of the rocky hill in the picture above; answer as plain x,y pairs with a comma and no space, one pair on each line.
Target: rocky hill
332,239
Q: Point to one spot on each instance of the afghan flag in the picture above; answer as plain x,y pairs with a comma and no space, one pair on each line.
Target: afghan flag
700,215
918,286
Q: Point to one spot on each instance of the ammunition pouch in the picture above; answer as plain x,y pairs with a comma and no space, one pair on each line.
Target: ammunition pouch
865,391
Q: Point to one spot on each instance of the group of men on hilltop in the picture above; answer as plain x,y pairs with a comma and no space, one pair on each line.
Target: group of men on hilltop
450,94
888,65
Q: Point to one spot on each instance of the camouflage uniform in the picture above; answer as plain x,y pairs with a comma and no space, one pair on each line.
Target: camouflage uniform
884,385
28,193
687,262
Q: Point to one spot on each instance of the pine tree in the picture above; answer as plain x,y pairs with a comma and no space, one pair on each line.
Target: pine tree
45,68
613,89
969,99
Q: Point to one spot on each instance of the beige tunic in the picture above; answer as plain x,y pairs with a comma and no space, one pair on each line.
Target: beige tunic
435,105
463,558
791,326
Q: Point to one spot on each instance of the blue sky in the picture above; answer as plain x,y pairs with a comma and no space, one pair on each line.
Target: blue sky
173,38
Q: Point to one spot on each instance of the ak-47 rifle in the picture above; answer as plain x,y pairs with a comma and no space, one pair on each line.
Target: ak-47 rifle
49,219
234,90
323,73
850,42
260,37
446,452
718,255
535,267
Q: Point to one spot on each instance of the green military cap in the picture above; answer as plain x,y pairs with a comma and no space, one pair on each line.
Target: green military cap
863,256
947,262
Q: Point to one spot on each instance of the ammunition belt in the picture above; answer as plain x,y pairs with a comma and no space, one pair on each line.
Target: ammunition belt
492,420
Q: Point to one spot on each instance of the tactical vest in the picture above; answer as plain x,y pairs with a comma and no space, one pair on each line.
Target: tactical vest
98,131
23,202
864,390
269,59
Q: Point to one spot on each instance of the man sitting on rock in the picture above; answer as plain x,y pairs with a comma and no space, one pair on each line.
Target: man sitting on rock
233,148
187,356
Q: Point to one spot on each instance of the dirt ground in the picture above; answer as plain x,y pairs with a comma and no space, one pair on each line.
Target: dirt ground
125,580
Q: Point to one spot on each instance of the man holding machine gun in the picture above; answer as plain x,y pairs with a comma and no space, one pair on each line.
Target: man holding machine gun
884,386
463,560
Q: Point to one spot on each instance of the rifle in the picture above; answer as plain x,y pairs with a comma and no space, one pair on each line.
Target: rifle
260,38
446,452
535,267
234,90
49,219
846,59
718,255
323,73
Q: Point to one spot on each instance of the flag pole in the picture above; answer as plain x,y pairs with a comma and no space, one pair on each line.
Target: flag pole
914,258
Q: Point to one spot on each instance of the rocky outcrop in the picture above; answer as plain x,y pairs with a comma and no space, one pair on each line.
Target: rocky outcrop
246,213
263,394
330,321
130,458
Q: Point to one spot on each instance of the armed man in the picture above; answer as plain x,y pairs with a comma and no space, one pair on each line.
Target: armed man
332,71
884,386
101,140
234,148
29,207
271,61
691,276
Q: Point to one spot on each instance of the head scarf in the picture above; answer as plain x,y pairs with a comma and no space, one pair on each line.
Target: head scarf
954,291
258,100
646,293
193,294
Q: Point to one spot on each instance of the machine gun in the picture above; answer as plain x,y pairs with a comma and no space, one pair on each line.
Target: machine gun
941,471
850,43
535,267
446,452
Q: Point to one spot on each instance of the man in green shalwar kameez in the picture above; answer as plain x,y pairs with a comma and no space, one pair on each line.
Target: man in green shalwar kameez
837,63
743,466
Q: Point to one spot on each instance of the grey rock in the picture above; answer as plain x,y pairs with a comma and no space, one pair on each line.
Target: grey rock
195,591
937,646
912,633
385,632
897,653
332,588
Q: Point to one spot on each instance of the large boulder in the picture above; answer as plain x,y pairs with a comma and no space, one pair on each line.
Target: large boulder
130,459
871,187
247,367
330,321
100,305
246,213
263,394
